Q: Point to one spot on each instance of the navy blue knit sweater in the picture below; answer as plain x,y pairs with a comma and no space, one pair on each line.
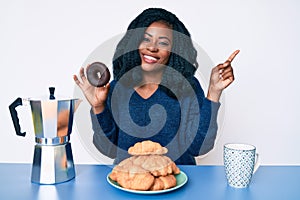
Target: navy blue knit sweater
187,126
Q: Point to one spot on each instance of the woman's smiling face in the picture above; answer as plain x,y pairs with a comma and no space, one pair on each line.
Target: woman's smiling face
155,47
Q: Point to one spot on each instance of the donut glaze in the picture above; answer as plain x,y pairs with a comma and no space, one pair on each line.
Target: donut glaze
98,74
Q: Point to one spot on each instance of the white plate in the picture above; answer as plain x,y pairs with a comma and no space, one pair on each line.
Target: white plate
181,179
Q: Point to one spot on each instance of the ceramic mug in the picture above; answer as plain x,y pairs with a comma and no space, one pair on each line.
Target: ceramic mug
240,162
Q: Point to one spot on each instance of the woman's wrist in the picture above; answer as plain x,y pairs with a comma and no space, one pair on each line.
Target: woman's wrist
213,94
98,109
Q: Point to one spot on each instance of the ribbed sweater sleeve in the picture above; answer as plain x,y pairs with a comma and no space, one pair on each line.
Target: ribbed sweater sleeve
207,129
105,137
199,129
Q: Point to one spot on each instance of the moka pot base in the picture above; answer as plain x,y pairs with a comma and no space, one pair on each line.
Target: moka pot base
52,164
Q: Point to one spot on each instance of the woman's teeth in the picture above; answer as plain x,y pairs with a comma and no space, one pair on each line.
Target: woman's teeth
150,58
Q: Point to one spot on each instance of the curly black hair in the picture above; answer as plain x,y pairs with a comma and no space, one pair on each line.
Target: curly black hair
183,56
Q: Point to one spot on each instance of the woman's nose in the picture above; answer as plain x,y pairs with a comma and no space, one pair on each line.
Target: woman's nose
152,47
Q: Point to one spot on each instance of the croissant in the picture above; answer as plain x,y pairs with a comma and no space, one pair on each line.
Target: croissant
147,147
147,169
164,182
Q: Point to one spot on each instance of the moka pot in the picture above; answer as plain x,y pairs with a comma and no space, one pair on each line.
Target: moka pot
52,122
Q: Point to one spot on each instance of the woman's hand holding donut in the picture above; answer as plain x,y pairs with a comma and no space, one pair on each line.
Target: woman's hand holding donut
96,96
221,77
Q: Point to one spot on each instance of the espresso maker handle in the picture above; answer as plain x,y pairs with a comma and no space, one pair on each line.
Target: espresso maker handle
14,116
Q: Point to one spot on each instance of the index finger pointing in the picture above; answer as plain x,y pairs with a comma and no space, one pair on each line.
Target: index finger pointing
232,56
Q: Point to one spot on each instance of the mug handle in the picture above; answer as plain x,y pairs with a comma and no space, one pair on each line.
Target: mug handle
257,163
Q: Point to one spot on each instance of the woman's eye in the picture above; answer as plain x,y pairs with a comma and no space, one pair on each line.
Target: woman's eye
146,39
164,43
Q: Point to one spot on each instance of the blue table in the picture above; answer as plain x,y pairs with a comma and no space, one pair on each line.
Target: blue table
205,182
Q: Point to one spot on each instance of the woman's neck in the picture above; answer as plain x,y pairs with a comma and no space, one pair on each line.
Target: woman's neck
152,78
149,84
146,90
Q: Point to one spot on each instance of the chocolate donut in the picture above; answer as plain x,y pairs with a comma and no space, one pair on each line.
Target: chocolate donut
98,74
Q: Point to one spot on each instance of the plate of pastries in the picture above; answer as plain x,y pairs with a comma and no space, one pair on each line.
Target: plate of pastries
147,171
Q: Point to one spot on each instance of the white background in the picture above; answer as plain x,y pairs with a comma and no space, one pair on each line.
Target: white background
43,44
